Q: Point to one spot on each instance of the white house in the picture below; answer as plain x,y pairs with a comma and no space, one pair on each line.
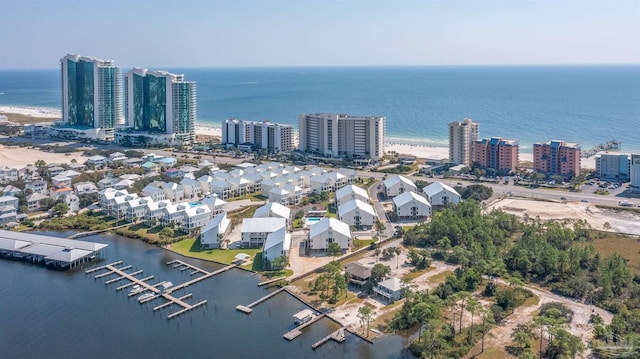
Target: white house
118,205
155,211
276,245
96,161
8,174
205,181
338,180
213,234
173,191
239,185
280,195
136,209
411,206
357,213
60,180
351,192
273,210
329,230
439,194
72,201
191,187
105,183
54,170
38,186
255,230
174,214
117,156
396,185
70,173
196,217
216,205
33,201
295,194
222,188
85,188
321,183
123,183
156,193
391,288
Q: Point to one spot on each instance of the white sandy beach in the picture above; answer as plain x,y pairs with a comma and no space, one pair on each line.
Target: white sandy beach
33,111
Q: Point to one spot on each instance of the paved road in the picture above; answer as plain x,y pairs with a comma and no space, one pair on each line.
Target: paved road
380,212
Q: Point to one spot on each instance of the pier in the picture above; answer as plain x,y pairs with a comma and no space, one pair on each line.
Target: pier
337,336
201,278
294,333
195,270
248,308
607,146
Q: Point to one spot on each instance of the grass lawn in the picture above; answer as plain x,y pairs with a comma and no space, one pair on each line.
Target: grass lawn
414,273
531,301
359,243
439,277
191,248
608,244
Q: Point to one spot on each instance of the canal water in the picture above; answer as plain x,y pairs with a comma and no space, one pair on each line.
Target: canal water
46,313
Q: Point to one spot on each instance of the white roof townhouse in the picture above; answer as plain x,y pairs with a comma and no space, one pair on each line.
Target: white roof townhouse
273,210
54,170
136,209
173,191
255,182
329,230
9,201
156,193
351,192
240,186
411,206
61,180
222,188
280,195
191,188
338,180
174,213
396,185
357,213
196,217
255,230
205,181
269,184
295,194
216,205
105,183
213,233
155,212
321,184
118,205
70,173
440,194
123,183
276,245
117,156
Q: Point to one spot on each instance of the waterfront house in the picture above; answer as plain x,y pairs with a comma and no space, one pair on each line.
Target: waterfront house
392,289
397,185
440,195
276,245
8,214
118,205
327,231
351,192
358,214
255,230
57,192
411,206
196,217
357,273
9,201
72,201
214,233
136,209
174,214
155,211
273,210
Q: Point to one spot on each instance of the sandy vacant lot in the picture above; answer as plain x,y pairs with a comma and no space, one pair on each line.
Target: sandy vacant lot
19,157
621,221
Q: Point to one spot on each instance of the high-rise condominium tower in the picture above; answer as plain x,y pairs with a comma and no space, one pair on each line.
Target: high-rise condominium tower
462,135
273,137
91,97
336,136
159,106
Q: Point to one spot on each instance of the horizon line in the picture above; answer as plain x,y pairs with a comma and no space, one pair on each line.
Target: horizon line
357,66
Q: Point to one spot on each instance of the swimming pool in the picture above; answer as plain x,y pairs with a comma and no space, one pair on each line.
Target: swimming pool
313,220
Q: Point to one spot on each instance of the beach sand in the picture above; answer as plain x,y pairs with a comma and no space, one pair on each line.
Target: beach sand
19,157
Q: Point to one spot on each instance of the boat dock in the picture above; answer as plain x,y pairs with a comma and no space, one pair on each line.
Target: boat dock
155,289
297,331
184,266
337,336
271,281
248,308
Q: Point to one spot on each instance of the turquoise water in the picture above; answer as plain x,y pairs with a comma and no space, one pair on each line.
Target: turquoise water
585,104
313,220
194,204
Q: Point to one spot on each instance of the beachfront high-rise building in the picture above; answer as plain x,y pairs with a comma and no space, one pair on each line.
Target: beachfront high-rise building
496,153
462,135
270,136
613,166
91,98
557,158
334,136
634,186
160,107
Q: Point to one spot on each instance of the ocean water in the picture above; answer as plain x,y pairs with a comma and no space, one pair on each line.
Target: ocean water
584,104
51,314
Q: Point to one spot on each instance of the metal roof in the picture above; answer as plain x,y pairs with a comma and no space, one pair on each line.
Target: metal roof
53,241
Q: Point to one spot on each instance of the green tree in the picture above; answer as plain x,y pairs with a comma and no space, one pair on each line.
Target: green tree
365,314
60,208
334,249
378,273
279,263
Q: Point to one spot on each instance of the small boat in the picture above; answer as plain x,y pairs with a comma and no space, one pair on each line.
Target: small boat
146,296
135,289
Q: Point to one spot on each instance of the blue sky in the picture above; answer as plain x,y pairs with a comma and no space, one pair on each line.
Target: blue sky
169,34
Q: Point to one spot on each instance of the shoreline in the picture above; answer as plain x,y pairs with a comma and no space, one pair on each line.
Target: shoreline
425,148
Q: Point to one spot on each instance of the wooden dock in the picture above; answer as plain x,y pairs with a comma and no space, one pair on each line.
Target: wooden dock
102,267
201,278
153,288
297,331
178,263
248,308
271,281
337,336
